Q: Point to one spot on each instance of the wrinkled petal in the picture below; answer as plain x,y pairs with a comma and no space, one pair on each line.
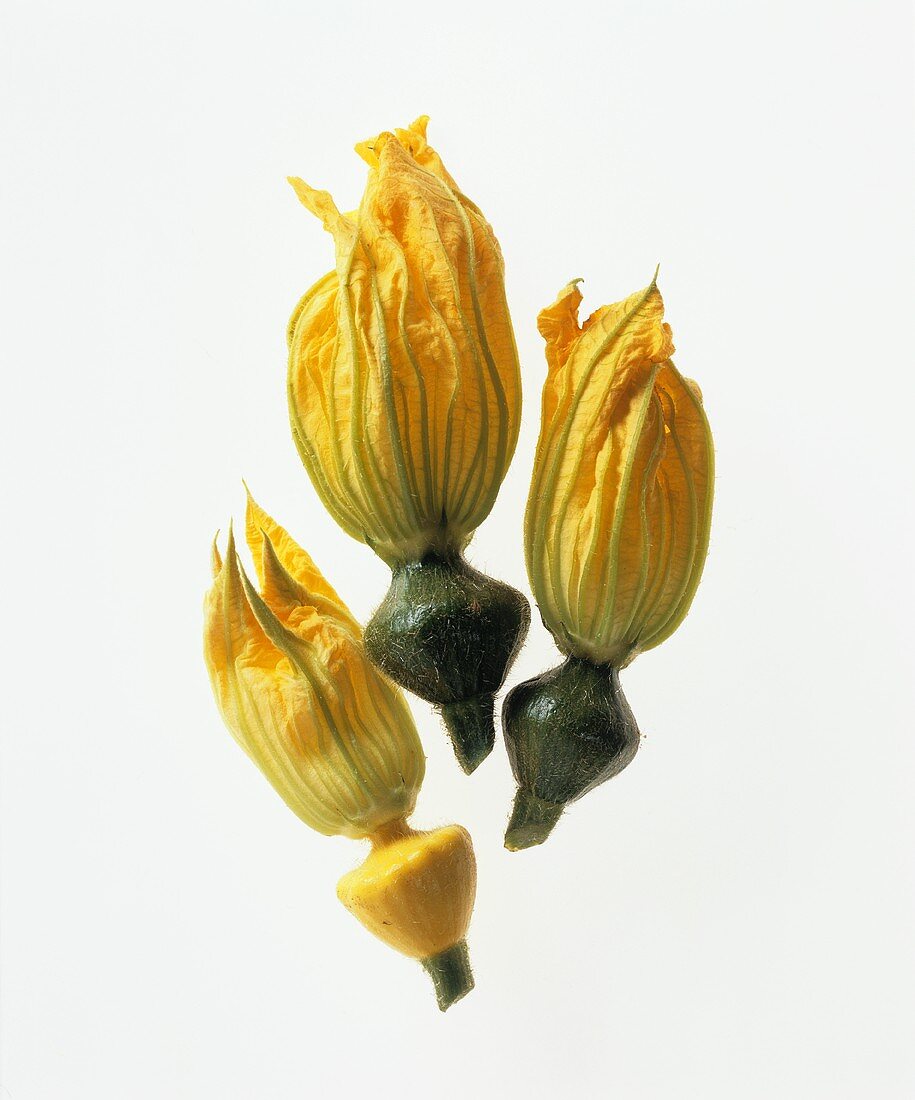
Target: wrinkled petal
287,575
558,324
295,689
617,522
323,206
684,487
404,384
413,140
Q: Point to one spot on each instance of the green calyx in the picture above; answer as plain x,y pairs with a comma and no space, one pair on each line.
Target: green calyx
449,634
566,732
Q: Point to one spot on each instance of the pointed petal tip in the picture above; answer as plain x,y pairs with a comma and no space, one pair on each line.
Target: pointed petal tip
231,562
320,203
270,546
252,508
245,579
256,523
215,556
567,300
370,149
298,185
271,562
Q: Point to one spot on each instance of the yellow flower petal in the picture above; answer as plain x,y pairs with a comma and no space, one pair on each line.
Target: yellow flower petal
322,206
617,522
297,692
681,510
413,139
404,385
287,575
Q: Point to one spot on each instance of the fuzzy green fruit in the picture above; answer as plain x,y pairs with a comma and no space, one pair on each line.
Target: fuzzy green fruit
449,634
566,732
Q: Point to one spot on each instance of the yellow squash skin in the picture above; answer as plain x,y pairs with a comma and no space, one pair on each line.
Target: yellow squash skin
415,890
337,742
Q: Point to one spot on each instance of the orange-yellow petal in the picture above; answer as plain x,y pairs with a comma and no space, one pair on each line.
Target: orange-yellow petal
295,689
404,385
286,572
614,539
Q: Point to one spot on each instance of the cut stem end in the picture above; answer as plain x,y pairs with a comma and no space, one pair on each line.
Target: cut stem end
471,727
451,974
532,821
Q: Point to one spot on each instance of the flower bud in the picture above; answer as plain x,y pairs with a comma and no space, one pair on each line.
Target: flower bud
292,682
404,385
337,741
405,400
616,535
617,522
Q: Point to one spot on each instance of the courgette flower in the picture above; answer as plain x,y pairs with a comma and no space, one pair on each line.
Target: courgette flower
616,536
405,398
336,740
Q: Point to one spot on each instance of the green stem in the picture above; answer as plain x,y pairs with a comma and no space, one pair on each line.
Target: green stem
451,974
471,727
532,821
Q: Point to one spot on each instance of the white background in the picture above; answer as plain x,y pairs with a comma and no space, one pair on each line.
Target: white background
730,918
